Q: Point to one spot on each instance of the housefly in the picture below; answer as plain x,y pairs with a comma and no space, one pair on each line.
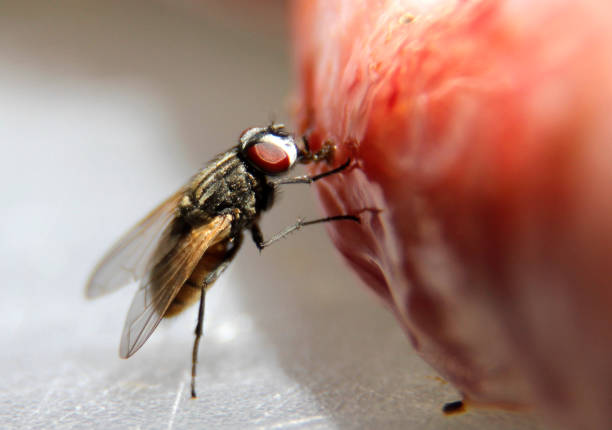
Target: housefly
180,249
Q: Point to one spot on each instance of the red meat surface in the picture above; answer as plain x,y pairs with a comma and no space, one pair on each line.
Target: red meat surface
481,134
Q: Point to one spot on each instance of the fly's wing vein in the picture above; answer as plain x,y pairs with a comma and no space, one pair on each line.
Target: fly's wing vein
165,278
130,257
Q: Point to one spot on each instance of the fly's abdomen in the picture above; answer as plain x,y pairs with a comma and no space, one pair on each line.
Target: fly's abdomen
190,291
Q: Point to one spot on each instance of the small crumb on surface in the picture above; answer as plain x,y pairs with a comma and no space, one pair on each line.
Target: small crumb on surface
454,408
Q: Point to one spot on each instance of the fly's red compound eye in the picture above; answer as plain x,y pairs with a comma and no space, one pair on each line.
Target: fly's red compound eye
269,158
271,153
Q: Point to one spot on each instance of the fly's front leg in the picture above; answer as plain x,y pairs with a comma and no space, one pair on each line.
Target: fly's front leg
210,278
257,236
261,243
325,153
310,179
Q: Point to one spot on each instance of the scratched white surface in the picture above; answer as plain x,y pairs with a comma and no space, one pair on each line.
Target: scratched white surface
105,108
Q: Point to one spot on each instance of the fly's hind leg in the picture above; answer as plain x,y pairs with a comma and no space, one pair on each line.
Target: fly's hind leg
196,343
212,277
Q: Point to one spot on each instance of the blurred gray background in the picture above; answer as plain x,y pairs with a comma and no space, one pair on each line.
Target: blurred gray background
107,107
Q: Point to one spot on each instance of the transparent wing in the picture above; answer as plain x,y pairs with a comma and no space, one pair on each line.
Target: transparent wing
128,260
163,281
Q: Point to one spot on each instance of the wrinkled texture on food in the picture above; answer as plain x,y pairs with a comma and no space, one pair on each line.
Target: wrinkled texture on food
482,145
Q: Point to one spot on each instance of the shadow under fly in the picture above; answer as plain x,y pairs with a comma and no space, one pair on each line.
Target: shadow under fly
180,249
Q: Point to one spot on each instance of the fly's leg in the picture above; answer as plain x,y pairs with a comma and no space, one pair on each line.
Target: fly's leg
212,277
196,343
310,179
257,236
261,243
325,151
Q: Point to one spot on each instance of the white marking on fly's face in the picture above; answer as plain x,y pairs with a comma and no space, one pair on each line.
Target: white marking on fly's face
284,143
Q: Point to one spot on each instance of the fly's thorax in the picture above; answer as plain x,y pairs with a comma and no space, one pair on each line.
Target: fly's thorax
190,212
228,184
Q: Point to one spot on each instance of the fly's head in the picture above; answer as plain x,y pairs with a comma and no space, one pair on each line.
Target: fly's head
271,150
